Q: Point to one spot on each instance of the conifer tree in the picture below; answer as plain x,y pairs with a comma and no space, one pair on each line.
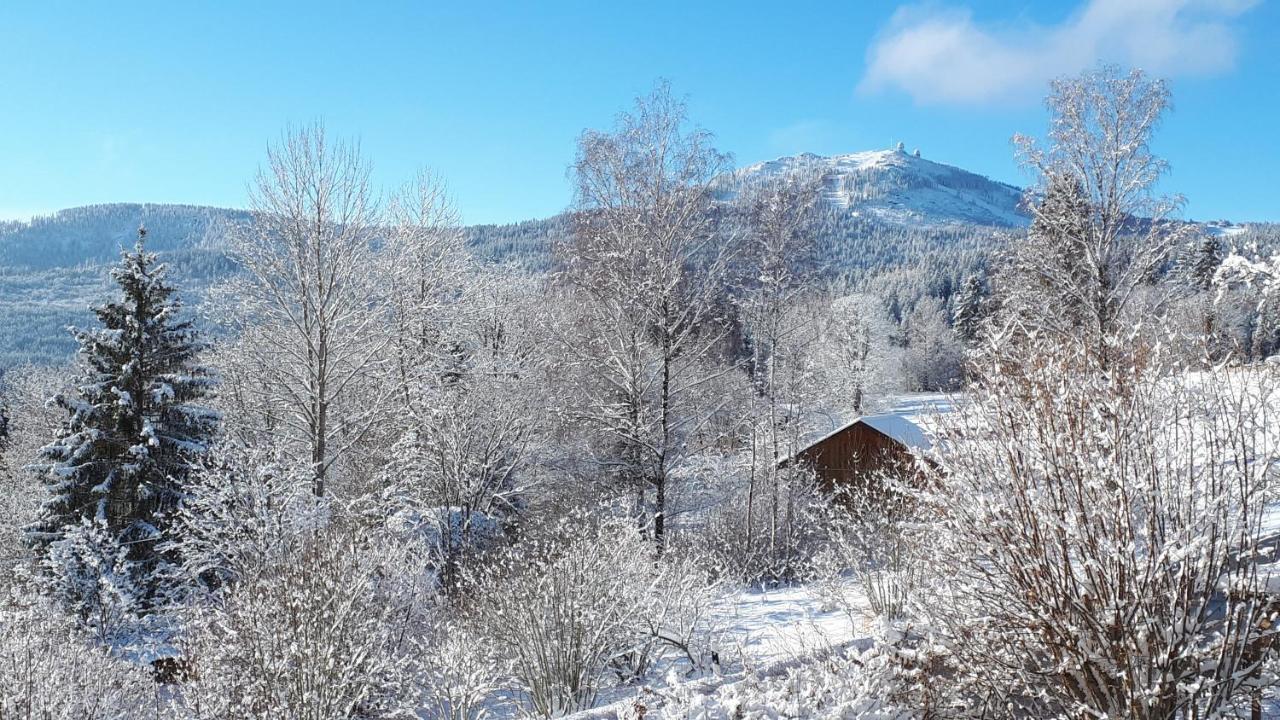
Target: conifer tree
1201,262
134,426
968,309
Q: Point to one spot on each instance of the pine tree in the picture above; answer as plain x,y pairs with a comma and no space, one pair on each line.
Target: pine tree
134,429
968,309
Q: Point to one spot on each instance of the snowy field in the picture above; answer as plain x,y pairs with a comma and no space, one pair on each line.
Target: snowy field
765,635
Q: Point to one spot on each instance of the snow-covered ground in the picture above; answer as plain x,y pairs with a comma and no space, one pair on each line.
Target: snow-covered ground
763,634
776,625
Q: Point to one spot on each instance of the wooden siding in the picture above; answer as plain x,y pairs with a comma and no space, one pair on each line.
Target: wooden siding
848,459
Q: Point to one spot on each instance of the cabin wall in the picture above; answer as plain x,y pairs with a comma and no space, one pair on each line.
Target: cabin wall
852,458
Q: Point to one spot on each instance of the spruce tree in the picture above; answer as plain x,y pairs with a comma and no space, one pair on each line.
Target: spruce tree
1047,284
968,309
1200,263
134,426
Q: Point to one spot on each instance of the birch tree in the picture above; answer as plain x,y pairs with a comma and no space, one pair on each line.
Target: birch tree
434,279
1098,250
780,331
646,267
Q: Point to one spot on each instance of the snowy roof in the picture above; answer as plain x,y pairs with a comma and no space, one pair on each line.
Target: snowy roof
909,420
899,428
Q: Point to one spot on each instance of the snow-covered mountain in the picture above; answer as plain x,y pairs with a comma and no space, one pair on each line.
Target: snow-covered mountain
902,189
888,210
882,185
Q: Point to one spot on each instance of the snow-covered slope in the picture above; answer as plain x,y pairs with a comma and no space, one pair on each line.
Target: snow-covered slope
901,188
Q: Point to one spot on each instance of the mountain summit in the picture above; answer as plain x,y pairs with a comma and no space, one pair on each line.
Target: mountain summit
902,188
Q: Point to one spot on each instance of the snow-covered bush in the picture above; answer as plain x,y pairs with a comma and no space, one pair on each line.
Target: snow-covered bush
676,620
89,575
560,611
1099,530
878,539
245,510
309,636
744,540
295,606
50,671
458,672
24,392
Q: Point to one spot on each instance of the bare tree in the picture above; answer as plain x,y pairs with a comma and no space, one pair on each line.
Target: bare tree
434,278
1101,231
313,307
463,456
780,331
855,355
646,267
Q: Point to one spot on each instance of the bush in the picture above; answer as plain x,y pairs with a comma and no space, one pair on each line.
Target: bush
48,670
315,636
458,672
1102,534
89,575
739,541
562,611
878,540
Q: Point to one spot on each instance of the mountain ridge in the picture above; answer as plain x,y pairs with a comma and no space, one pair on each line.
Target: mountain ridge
889,186
886,210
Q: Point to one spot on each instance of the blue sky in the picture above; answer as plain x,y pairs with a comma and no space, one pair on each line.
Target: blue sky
175,102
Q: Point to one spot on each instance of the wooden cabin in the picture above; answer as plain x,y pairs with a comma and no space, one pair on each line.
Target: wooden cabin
851,456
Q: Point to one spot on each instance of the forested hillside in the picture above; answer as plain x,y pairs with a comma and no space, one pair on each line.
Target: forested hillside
890,211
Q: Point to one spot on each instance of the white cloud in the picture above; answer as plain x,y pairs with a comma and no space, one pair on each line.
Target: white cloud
941,55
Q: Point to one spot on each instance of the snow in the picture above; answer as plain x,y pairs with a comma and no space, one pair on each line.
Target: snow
899,428
903,189
1227,230
766,632
460,525
776,625
909,419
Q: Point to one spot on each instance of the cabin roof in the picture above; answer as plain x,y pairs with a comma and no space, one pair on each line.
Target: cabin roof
900,428
907,421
